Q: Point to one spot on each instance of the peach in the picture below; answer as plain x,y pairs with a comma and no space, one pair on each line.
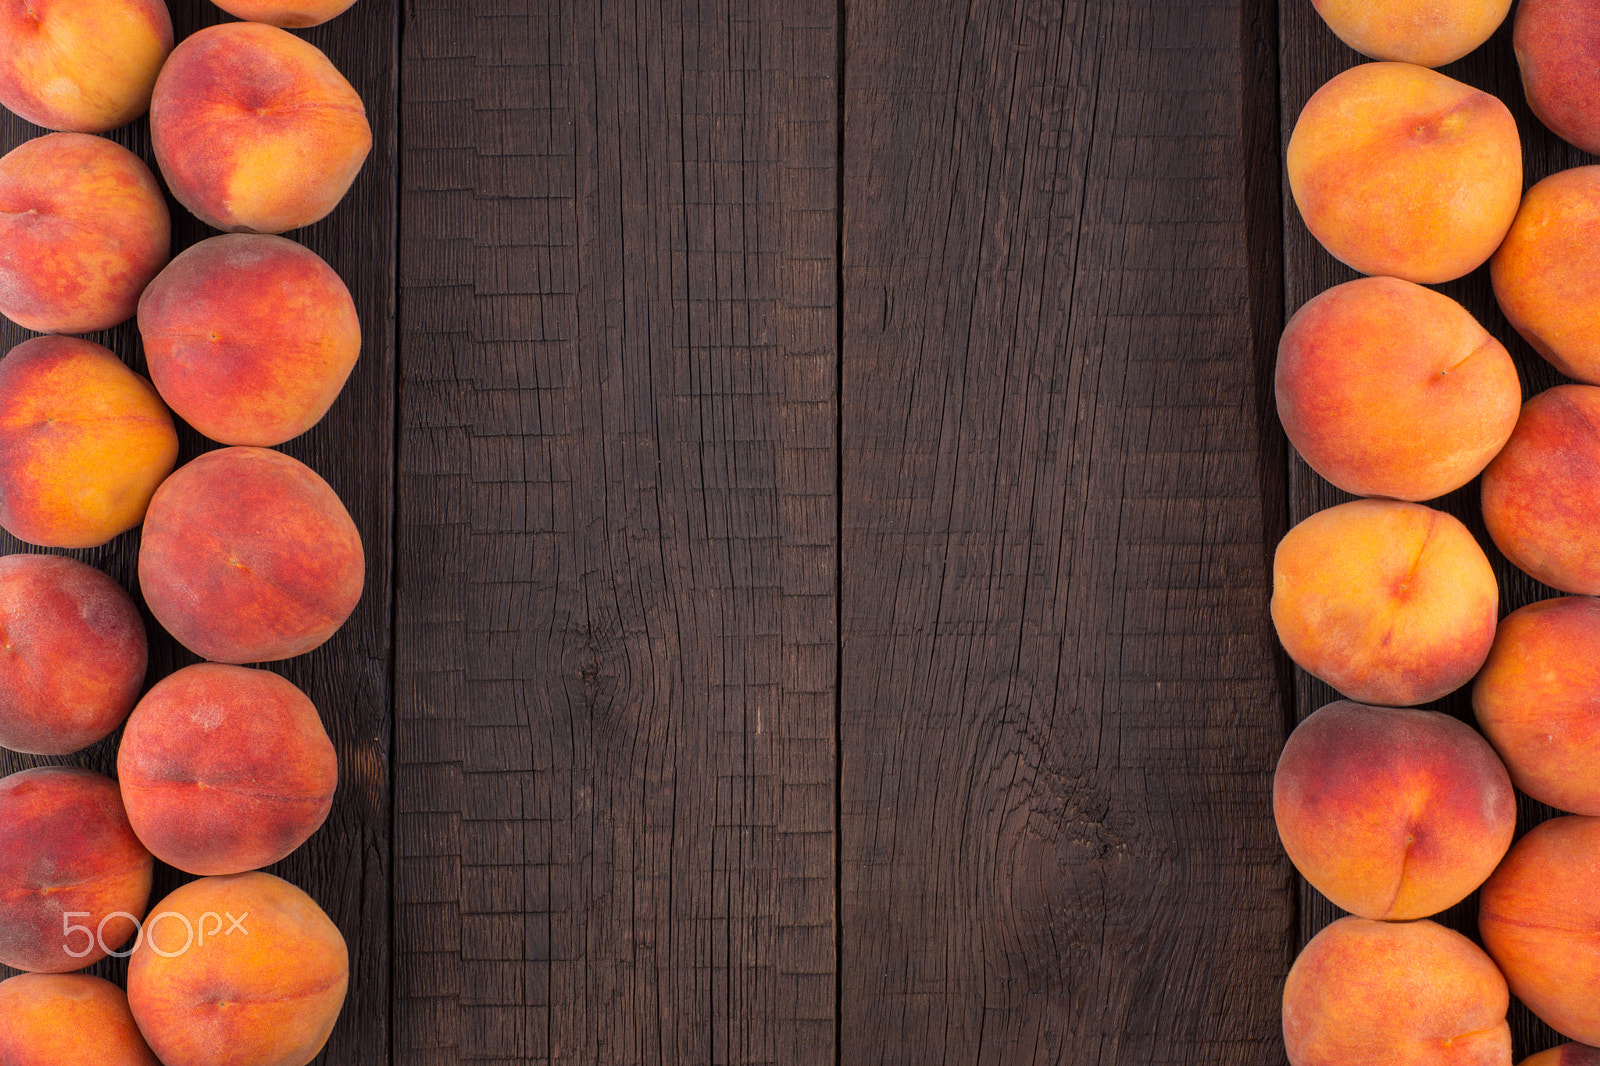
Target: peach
225,769
255,130
1541,494
1372,137
83,229
1429,33
68,1019
1392,813
1394,994
84,441
1570,1054
249,337
84,65
72,654
290,14
1539,917
1537,699
1388,602
74,880
1389,389
248,556
245,970
1546,274
1557,43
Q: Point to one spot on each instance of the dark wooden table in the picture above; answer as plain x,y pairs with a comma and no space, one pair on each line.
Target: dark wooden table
819,475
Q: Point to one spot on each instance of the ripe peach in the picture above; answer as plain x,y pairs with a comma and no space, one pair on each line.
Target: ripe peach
1570,1054
1429,33
1388,602
67,1019
248,556
83,229
84,441
245,970
84,65
249,337
1541,494
290,14
72,654
1537,699
1547,273
225,769
1557,43
1375,135
1389,389
1392,813
1538,915
1396,994
74,879
255,130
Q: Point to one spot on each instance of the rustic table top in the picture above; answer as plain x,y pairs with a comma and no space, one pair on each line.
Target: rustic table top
818,471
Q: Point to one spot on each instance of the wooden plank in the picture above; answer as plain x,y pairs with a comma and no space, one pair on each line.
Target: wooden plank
615,698
1310,56
346,865
1060,702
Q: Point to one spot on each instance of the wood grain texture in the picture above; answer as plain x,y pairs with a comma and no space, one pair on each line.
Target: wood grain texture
346,865
1310,56
1060,703
615,692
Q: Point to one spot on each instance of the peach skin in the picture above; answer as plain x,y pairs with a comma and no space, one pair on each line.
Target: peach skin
1389,602
1374,136
248,556
1541,494
1546,274
1365,993
84,441
1392,813
68,1019
1557,43
83,229
249,337
1390,389
74,879
83,65
247,971
290,14
225,769
1539,915
74,654
1429,33
1569,1054
255,130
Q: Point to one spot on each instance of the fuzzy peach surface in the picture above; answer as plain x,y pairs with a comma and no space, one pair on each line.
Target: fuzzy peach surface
1557,44
68,1019
1401,171
1429,33
83,65
290,14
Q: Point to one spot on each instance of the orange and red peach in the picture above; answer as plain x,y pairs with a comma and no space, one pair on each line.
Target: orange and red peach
1569,1054
1375,134
1538,914
1557,43
290,14
74,880
72,654
84,441
255,130
1387,388
248,556
225,769
1397,993
68,1019
83,229
1389,602
1392,813
1429,33
1541,494
249,337
84,65
1546,274
248,970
